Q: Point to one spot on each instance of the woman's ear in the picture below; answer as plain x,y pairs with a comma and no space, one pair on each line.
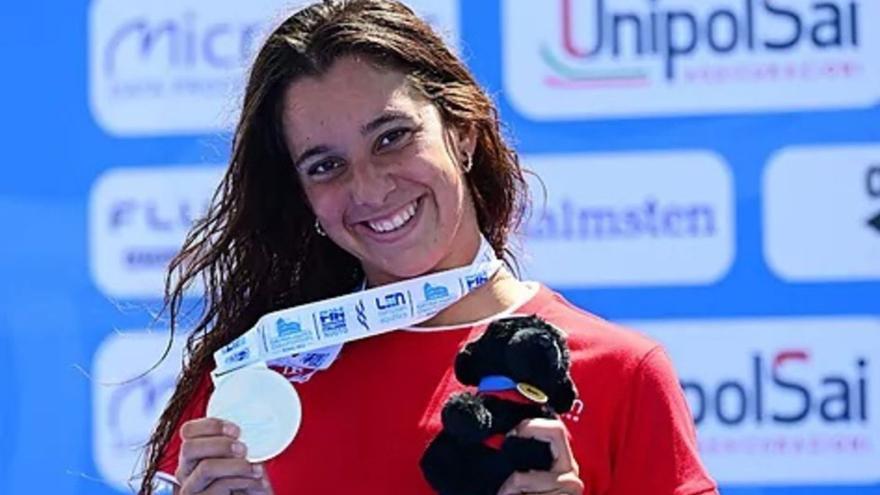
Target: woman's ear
467,140
461,142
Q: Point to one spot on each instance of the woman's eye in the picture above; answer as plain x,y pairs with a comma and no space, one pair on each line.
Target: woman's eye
391,138
323,167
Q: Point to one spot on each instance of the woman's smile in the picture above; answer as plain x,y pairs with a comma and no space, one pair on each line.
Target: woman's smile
391,227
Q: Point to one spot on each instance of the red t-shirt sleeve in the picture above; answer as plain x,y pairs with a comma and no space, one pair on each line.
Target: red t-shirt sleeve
196,408
657,441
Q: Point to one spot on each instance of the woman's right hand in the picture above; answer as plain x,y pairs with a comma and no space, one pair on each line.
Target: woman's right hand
212,461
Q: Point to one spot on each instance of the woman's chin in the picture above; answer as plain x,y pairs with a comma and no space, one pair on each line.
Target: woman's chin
401,270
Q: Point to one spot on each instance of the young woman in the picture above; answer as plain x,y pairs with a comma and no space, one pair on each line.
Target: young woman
366,152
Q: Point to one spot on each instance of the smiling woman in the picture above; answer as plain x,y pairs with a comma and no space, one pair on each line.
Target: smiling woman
380,171
366,155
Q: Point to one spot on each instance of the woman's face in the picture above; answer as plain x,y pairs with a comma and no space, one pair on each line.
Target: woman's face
380,171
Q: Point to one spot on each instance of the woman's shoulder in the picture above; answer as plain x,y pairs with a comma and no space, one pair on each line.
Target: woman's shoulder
593,340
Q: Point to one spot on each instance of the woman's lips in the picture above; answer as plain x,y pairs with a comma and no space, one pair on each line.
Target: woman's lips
400,223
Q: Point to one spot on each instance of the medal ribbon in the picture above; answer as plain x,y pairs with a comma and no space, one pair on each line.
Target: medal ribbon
311,335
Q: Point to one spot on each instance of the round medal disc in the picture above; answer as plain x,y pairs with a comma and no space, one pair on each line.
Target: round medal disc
264,405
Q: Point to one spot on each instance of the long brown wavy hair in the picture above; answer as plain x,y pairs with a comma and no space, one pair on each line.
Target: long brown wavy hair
256,249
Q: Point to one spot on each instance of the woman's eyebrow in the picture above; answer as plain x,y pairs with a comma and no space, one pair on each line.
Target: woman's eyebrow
386,117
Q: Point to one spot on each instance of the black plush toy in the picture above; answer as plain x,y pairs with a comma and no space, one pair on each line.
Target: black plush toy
521,368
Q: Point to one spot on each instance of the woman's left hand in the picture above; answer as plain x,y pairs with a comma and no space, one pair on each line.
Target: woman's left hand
562,478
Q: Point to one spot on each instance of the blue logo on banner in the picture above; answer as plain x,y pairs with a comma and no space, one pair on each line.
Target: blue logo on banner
313,359
361,310
219,45
235,344
474,281
391,301
239,356
287,328
435,292
840,399
332,322
680,34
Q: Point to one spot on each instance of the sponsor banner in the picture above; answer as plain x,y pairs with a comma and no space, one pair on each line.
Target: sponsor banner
177,67
788,401
574,59
630,219
822,213
126,404
138,219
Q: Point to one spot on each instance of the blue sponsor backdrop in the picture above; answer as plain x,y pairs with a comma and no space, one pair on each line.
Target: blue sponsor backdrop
53,316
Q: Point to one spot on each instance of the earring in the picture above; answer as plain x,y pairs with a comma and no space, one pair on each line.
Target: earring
468,162
319,229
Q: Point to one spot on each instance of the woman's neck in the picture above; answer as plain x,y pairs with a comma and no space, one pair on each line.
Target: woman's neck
498,294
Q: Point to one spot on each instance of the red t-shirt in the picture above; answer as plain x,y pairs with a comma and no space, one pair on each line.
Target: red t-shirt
367,420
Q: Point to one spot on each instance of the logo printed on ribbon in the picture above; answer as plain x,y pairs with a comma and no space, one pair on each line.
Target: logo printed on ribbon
435,292
477,280
239,356
287,328
237,351
436,296
314,359
392,307
332,322
390,301
361,311
288,335
235,344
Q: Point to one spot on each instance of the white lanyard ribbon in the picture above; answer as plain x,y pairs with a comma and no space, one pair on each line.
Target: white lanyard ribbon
315,332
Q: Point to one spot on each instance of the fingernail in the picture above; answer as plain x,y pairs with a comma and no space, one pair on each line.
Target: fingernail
238,448
230,429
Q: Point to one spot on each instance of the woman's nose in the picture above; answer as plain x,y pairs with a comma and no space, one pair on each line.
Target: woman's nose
371,183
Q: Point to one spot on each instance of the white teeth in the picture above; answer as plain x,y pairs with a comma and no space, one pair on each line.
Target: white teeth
396,221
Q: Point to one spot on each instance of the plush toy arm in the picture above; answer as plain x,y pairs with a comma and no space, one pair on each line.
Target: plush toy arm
454,468
466,417
442,465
